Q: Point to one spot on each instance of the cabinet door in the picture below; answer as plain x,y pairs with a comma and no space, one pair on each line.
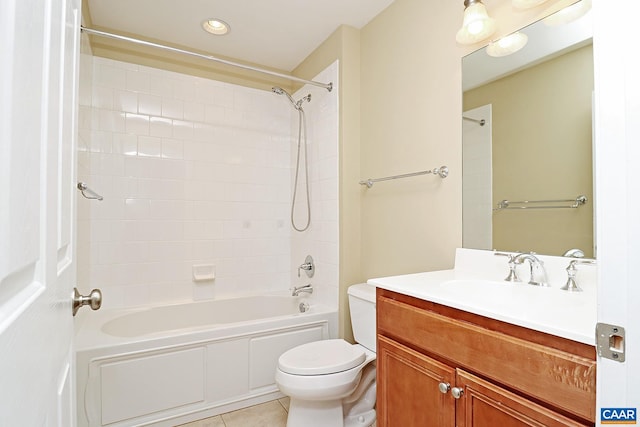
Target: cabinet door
486,405
407,387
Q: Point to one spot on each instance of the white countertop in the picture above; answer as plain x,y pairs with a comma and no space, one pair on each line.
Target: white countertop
570,315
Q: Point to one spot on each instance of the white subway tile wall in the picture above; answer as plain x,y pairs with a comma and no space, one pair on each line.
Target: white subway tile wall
321,239
195,171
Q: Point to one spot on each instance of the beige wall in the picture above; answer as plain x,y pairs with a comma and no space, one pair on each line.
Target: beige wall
542,151
410,122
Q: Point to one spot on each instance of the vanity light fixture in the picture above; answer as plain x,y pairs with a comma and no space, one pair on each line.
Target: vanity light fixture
215,26
527,4
507,45
568,14
477,25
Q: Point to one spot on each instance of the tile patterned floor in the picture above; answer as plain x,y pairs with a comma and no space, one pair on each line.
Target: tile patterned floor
269,414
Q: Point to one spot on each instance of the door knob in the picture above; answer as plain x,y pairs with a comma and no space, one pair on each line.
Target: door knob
94,300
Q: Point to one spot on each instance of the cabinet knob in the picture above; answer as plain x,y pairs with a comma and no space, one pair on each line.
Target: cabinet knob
457,392
444,388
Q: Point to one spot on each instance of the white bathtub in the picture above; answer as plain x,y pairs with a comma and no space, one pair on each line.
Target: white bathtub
178,363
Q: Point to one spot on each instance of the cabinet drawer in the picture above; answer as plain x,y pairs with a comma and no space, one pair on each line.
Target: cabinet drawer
556,377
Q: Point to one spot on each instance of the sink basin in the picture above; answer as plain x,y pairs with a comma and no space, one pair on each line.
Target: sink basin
477,288
486,293
500,296
477,284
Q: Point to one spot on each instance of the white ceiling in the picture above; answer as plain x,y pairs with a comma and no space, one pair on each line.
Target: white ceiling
273,33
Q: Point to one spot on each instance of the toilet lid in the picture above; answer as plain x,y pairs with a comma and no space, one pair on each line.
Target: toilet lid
321,357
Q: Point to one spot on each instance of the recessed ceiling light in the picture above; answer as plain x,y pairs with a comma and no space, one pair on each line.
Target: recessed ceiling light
216,26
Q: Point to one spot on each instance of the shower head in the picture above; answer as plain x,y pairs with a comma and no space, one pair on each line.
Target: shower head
281,91
296,105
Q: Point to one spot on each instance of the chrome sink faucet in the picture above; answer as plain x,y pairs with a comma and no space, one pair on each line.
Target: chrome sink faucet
299,289
538,275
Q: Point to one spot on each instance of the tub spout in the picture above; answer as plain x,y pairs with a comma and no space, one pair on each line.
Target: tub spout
298,290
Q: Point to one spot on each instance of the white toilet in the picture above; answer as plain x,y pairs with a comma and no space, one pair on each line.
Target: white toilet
332,383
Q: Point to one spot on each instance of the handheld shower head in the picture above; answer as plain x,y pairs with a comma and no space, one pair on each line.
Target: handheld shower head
301,131
297,105
281,91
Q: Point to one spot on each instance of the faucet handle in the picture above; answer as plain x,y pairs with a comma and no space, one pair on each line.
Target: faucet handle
583,261
510,256
512,276
308,266
572,285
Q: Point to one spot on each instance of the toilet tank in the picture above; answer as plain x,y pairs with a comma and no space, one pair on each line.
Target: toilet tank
362,305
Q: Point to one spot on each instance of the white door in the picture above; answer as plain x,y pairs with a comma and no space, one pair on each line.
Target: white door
617,124
39,48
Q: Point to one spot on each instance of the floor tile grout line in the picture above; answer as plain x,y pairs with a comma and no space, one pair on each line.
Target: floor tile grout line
283,407
224,422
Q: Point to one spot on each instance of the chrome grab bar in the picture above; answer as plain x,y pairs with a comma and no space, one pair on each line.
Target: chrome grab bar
533,204
442,172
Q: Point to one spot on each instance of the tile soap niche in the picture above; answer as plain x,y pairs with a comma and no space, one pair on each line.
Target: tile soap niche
204,272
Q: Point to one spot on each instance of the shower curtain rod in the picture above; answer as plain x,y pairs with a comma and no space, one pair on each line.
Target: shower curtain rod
327,86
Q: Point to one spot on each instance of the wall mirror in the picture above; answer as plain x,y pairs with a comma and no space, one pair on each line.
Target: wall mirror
527,142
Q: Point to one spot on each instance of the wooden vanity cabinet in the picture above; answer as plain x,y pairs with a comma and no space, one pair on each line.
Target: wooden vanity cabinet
508,375
407,390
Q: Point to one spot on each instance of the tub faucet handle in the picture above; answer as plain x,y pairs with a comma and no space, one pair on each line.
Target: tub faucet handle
308,266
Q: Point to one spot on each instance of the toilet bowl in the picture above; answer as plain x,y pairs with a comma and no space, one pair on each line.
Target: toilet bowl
331,383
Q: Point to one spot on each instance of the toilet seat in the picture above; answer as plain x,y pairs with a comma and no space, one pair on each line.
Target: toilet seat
321,358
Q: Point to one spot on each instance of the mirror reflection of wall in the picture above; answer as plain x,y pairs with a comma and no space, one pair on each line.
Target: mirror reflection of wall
540,145
477,185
